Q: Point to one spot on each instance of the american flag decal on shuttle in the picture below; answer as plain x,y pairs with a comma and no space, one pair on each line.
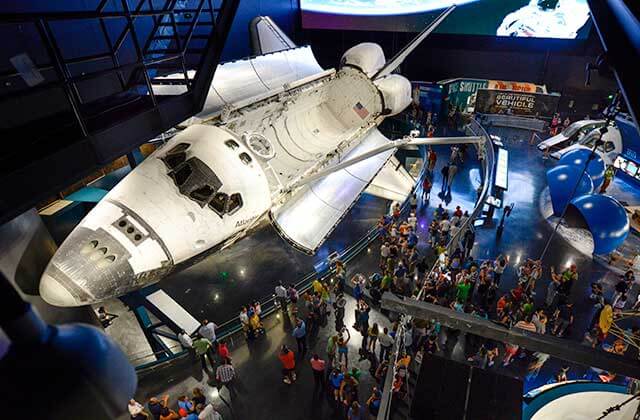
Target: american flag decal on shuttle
360,110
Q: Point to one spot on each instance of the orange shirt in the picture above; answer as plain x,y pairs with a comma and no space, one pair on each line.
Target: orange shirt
288,360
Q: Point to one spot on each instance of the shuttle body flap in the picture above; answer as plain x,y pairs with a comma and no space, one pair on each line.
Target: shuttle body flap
393,182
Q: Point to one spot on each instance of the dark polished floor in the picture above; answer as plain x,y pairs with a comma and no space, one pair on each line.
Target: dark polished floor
249,270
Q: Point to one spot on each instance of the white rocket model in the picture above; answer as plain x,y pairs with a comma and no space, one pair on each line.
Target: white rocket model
546,19
279,139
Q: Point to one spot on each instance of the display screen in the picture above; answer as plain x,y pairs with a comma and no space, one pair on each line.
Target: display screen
631,168
564,19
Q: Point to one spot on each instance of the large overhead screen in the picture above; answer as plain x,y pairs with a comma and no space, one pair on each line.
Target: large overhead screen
562,19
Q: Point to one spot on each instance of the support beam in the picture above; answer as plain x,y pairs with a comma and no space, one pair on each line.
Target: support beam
561,348
405,142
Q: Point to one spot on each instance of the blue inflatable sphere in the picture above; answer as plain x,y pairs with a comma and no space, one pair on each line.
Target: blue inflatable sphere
562,180
578,157
606,219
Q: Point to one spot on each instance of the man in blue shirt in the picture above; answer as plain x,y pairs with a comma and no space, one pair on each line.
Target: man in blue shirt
300,334
412,239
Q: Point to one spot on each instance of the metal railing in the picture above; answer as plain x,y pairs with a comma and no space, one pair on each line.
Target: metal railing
486,151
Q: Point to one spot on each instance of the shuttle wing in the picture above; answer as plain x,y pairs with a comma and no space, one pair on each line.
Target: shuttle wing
393,182
313,212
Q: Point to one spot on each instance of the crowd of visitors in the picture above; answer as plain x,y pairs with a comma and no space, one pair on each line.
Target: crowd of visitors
194,407
457,281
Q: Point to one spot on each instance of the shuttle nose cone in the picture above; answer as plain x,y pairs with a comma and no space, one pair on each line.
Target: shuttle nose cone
54,293
90,266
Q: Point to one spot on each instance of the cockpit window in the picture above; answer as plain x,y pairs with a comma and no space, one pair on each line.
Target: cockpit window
180,147
235,202
245,158
172,161
232,144
176,155
219,203
182,174
202,195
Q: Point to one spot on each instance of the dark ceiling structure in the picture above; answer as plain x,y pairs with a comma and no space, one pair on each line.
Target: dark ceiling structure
76,83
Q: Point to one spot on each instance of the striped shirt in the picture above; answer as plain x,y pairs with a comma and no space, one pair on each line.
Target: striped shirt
527,326
225,373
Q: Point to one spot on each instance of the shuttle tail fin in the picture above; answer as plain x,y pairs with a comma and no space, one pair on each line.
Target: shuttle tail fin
392,64
267,37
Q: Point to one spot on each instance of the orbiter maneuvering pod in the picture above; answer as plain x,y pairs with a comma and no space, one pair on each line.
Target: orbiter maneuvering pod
279,139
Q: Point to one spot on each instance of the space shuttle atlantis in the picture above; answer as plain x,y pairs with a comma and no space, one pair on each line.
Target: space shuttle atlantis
279,139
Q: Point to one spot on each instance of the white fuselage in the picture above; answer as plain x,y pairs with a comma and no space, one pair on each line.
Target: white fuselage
164,212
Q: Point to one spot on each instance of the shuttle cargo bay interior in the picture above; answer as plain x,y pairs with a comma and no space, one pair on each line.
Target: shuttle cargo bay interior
318,209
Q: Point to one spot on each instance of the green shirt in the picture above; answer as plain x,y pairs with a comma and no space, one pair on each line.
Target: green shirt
463,291
201,345
385,282
331,346
609,173
569,275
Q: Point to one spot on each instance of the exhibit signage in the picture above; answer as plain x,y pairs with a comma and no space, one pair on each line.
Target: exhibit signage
429,96
514,86
490,101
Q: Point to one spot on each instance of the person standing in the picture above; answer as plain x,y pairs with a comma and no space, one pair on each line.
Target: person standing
185,340
318,369
426,188
281,296
453,170
609,173
386,342
136,410
564,318
208,331
445,177
207,412
288,360
468,240
343,348
432,158
335,381
244,321
225,375
203,349
340,304
300,334
385,250
373,337
498,269
373,403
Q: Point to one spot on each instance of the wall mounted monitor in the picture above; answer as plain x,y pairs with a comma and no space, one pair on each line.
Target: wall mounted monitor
560,19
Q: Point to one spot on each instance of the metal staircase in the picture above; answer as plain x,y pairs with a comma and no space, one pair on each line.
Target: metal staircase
76,87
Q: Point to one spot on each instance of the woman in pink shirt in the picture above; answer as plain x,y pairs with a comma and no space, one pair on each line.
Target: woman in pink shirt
317,366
